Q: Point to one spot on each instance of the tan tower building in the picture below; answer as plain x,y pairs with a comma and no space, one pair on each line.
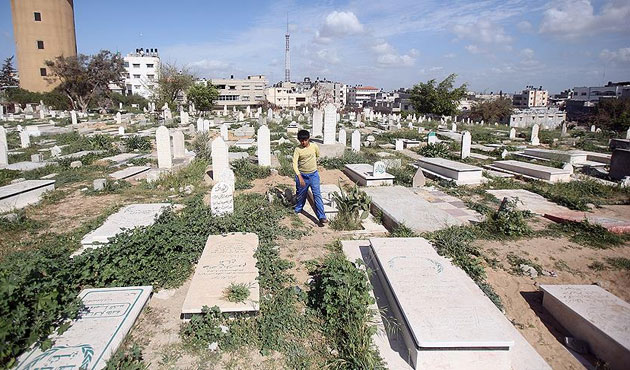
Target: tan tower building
43,30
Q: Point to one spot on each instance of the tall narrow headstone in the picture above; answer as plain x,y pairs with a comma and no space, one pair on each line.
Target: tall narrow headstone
563,131
121,130
512,133
592,128
466,141
264,146
25,140
330,123
224,131
453,127
73,116
534,137
163,144
219,153
628,134
222,199
118,118
356,140
342,137
199,124
318,122
184,118
400,145
4,148
179,147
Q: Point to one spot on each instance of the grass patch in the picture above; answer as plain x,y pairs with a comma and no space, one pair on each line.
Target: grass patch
588,234
246,171
403,175
348,157
578,194
597,266
619,263
237,292
516,261
402,231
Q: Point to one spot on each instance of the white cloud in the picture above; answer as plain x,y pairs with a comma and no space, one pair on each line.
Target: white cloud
209,64
328,56
524,26
621,55
339,24
482,31
387,55
450,55
577,18
527,53
473,49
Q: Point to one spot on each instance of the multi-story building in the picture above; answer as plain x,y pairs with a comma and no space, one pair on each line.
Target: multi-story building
545,117
239,92
531,97
287,95
364,94
43,30
142,70
593,94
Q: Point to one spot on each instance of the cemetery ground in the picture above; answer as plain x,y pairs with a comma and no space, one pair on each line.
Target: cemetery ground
313,302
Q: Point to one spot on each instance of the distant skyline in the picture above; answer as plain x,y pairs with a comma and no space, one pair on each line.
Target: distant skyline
491,45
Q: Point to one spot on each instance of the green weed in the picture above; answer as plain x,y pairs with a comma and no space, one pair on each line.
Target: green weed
588,234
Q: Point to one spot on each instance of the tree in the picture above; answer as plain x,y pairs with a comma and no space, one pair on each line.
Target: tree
83,77
439,99
497,110
7,75
613,114
321,95
171,84
203,96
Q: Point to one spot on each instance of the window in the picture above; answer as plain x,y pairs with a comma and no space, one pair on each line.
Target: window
126,64
136,76
232,87
245,98
38,16
149,65
42,71
136,65
136,86
40,44
150,77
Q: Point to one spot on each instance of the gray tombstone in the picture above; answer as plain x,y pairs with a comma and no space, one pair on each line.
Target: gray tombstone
163,143
179,148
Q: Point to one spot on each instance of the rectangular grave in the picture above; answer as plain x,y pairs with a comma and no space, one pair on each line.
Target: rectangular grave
594,315
531,170
24,193
363,175
128,172
570,156
128,217
226,259
120,158
95,336
460,173
27,166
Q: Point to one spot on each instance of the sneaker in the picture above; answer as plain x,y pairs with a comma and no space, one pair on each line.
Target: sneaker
323,221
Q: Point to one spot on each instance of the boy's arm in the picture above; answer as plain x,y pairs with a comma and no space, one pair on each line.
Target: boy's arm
296,156
317,151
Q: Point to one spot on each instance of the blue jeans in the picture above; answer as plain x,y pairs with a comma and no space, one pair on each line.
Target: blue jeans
310,180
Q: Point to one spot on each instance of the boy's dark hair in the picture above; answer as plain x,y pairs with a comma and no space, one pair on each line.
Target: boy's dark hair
303,135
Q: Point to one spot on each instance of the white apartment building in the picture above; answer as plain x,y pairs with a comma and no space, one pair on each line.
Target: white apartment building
142,70
593,94
549,118
239,92
364,94
288,95
531,97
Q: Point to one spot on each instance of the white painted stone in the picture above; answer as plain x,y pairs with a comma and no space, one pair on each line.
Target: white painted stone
356,141
179,146
330,123
222,199
118,118
592,128
226,259
379,169
465,144
55,151
4,148
628,134
363,175
121,130
534,136
264,146
460,173
594,315
200,124
164,150
432,138
224,132
453,127
99,184
25,139
550,174
128,172
512,133
24,193
220,161
73,116
92,339
418,180
342,137
400,144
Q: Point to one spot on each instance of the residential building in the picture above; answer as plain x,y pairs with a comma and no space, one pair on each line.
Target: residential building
594,93
364,94
288,95
43,30
239,92
549,118
142,70
531,97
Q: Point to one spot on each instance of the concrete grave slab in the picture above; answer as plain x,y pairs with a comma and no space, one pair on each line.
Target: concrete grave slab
27,166
95,336
594,315
120,158
533,171
24,193
363,175
128,172
460,173
226,259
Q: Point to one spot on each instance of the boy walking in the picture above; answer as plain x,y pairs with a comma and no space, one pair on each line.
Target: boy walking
306,175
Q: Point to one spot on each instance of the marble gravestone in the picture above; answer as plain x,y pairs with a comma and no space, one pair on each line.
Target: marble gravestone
226,259
400,144
222,199
121,130
219,158
594,315
534,136
25,139
356,140
164,150
73,116
264,146
342,137
224,132
432,138
92,339
379,169
4,148
512,133
330,123
179,148
466,142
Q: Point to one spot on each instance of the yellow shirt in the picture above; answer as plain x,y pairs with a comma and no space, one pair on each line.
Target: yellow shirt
305,159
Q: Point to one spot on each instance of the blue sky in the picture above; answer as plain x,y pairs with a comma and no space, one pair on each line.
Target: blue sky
491,45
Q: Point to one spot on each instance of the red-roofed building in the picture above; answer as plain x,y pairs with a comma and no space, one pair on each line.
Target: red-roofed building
359,94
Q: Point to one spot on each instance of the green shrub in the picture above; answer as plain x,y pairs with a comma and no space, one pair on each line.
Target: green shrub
403,175
6,176
353,206
138,142
434,150
589,235
237,292
455,242
348,157
127,359
402,231
506,221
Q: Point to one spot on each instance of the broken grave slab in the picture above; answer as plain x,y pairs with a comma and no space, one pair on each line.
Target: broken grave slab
23,193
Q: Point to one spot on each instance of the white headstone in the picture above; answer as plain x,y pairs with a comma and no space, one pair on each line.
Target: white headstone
55,151
504,154
330,123
563,131
534,137
628,134
418,180
219,158
342,137
592,128
224,131
379,169
512,133
466,141
121,130
400,145
118,118
432,138
163,144
4,148
73,115
318,122
264,146
199,124
179,148
184,118
453,127
222,199
356,140
25,140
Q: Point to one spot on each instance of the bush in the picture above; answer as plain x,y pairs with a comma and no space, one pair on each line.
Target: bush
138,142
434,150
589,235
506,221
127,359
245,171
578,194
353,206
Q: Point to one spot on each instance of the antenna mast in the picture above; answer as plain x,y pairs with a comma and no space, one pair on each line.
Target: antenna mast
287,57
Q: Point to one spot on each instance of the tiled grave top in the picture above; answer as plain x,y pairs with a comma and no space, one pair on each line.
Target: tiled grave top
96,335
440,310
23,187
446,163
602,309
